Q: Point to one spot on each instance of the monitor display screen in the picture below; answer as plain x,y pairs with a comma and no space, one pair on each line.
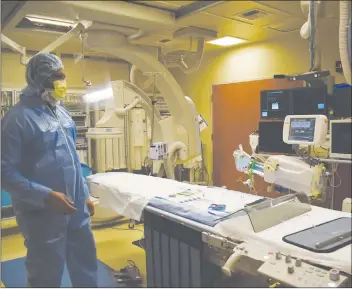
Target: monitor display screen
275,104
271,138
341,102
309,100
341,138
302,129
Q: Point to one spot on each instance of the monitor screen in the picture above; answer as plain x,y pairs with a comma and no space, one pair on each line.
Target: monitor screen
302,129
341,138
341,102
275,104
271,138
309,100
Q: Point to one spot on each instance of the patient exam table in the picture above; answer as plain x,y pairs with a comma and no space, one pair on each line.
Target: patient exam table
195,236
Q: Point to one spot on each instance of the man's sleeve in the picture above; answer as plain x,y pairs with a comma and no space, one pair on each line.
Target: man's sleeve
13,135
86,189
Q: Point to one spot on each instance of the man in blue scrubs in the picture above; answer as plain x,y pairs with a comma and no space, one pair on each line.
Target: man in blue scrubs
41,170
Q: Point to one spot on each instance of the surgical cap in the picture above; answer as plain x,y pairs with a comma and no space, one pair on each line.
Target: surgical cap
40,67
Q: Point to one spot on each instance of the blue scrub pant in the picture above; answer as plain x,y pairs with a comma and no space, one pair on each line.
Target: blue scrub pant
53,240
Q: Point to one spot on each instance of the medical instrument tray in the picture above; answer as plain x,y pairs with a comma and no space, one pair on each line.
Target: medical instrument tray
324,238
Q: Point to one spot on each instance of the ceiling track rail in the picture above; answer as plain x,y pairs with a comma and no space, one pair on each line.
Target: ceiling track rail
195,7
183,11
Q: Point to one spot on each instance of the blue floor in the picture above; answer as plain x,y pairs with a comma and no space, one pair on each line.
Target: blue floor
13,274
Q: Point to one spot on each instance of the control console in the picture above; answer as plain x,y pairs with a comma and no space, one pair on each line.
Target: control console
296,273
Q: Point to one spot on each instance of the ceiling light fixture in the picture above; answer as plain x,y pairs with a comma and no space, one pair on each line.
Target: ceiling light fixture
49,21
227,41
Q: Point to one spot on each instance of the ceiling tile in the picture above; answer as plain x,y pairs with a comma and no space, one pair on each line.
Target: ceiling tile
177,3
234,9
228,27
292,8
170,5
329,8
288,25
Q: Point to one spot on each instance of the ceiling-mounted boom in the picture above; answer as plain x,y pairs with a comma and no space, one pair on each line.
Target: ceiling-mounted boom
78,28
15,47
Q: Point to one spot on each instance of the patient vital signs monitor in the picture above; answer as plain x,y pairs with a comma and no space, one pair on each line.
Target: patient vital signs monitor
305,129
340,139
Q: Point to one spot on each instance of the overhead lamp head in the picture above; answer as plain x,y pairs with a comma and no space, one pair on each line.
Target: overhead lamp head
227,41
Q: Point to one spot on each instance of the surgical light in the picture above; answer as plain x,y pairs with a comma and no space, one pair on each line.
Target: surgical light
98,95
49,21
227,41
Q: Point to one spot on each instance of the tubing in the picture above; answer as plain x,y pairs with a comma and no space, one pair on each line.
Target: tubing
171,160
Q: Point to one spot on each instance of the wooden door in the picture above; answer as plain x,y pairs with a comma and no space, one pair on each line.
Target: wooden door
236,114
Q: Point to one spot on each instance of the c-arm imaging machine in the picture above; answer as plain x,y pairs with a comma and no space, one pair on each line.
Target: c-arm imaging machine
180,131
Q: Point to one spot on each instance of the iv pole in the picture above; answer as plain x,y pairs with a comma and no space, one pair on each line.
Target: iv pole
154,102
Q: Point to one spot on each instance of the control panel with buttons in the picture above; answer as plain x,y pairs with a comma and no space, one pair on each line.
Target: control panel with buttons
297,273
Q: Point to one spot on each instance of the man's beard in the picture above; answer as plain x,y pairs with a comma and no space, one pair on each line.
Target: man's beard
47,97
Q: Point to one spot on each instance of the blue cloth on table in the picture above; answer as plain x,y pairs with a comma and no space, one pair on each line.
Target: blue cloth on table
187,211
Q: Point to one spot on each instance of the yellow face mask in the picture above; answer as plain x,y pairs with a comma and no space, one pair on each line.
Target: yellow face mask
60,88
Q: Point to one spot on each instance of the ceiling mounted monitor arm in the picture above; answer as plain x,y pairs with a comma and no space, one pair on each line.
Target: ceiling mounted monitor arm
169,60
191,33
78,28
183,124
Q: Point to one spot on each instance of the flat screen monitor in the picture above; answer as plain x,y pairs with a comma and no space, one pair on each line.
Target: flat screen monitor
309,100
275,104
271,138
302,130
340,139
341,102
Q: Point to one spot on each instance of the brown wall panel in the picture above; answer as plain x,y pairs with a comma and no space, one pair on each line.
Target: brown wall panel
236,114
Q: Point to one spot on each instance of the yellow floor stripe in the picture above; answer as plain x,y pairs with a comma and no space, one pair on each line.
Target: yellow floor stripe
2,285
8,223
12,247
114,247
